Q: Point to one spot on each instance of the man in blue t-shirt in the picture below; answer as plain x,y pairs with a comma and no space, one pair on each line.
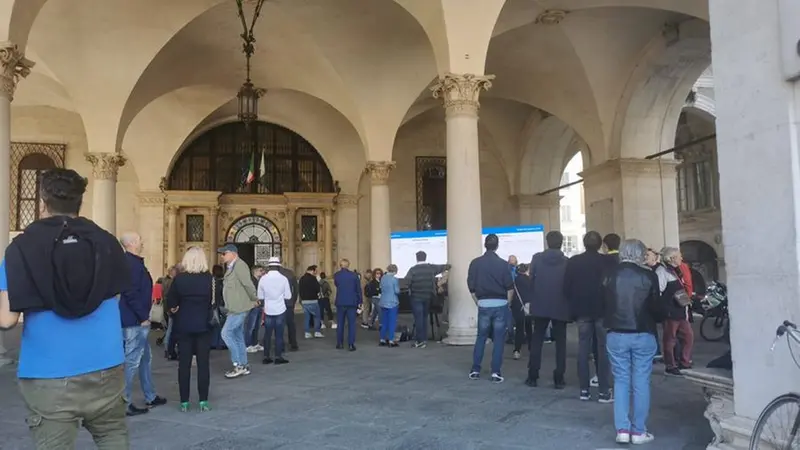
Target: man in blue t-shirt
65,273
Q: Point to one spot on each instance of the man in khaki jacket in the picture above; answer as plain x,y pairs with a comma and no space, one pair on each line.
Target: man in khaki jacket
240,297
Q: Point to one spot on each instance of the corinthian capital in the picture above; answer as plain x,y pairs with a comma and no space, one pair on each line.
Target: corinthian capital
460,92
13,66
379,171
105,166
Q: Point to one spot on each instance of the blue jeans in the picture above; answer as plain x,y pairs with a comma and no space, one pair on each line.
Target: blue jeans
311,309
376,310
631,357
494,319
274,325
137,360
233,336
420,309
251,327
388,323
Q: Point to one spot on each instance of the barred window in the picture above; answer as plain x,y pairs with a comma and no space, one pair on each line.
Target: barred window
195,228
28,186
308,228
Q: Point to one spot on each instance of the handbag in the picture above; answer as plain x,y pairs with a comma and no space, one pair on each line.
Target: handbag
157,312
213,313
682,298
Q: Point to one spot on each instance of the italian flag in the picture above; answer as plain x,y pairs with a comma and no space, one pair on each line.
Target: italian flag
251,171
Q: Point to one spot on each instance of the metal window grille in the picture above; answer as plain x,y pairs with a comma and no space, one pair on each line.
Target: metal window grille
195,228
24,185
308,228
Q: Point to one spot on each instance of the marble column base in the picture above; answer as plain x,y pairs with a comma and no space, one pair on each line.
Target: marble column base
457,335
731,432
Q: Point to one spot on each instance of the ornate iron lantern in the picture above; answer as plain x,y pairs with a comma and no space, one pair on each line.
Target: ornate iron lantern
249,94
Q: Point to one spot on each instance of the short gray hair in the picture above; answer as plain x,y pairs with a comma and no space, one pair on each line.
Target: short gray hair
391,268
667,253
632,250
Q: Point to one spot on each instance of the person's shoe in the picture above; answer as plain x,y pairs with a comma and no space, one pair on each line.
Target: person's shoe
474,375
259,347
594,382
382,343
623,437
642,438
322,326
684,367
133,410
237,371
158,401
184,407
605,398
674,371
252,349
267,361
559,384
585,396
548,341
516,355
364,326
339,346
294,348
308,335
281,360
246,369
497,378
393,344
334,326
352,348
205,407
532,382
318,335
420,344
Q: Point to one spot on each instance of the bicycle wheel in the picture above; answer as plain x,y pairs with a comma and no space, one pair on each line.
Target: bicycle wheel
777,426
713,328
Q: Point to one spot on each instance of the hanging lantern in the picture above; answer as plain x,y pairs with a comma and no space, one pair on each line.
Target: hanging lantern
248,102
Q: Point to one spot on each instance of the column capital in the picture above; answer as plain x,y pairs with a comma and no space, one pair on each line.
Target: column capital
379,171
347,200
214,210
460,92
105,166
630,167
151,198
172,210
13,67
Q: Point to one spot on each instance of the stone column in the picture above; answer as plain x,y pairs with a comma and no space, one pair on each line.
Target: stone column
635,198
172,235
460,95
13,67
347,229
105,167
291,251
213,235
758,137
540,209
327,264
380,254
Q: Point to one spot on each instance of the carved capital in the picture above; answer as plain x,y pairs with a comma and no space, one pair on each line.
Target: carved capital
213,211
379,171
551,17
460,92
347,200
172,210
105,166
13,66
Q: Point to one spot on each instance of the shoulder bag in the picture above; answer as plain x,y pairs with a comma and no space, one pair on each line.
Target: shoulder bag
157,312
681,297
213,311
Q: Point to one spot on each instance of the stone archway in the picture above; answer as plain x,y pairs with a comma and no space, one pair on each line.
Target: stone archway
257,239
701,257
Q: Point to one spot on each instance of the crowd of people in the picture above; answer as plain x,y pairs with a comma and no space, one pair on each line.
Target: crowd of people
98,297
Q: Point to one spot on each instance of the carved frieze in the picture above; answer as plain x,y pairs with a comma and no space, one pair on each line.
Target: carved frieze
13,67
105,166
460,92
348,200
151,198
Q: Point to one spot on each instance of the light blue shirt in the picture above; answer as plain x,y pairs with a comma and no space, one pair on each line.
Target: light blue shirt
56,347
390,290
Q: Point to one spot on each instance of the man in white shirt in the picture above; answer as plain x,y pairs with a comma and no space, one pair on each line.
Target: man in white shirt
273,291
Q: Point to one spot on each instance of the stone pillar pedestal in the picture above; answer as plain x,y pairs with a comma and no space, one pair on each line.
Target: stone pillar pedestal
540,209
13,67
380,218
460,95
172,235
327,262
347,229
105,167
635,198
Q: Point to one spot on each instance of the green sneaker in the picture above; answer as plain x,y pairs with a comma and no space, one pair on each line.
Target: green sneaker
204,406
185,407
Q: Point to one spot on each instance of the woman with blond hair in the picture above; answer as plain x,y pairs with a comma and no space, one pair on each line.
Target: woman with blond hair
191,298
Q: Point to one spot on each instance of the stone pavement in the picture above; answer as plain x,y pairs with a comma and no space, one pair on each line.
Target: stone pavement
381,398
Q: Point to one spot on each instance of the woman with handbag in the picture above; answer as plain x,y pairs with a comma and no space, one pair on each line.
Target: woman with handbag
676,297
192,301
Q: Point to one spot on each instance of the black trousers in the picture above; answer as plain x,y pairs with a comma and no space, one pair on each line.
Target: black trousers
291,328
559,335
325,305
523,330
194,344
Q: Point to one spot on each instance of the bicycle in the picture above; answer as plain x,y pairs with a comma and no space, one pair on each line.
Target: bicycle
761,439
715,325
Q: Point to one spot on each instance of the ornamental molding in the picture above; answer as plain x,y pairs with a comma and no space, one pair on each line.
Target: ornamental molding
460,92
379,171
551,17
13,67
348,200
151,198
105,166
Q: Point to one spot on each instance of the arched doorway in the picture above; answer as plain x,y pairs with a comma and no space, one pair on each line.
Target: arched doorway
701,257
257,239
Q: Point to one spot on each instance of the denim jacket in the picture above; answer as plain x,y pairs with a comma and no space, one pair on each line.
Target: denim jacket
390,289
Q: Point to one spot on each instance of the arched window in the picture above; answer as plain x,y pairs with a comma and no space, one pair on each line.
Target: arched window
28,185
701,257
279,159
697,180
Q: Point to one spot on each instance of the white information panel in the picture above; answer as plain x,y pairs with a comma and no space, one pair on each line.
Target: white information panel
522,241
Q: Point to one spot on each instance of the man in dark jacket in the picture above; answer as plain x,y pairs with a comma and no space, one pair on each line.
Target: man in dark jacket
309,290
291,328
422,289
583,288
134,306
548,306
348,302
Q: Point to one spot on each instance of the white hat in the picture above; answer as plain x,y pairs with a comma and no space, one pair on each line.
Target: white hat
274,261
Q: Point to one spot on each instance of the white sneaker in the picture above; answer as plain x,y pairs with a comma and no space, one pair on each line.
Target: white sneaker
237,371
318,335
252,349
516,355
594,382
623,437
322,325
643,438
334,326
308,335
259,348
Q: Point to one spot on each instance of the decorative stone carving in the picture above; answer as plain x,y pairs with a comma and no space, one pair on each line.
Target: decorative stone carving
551,17
460,92
347,200
151,198
105,166
717,387
13,66
379,171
